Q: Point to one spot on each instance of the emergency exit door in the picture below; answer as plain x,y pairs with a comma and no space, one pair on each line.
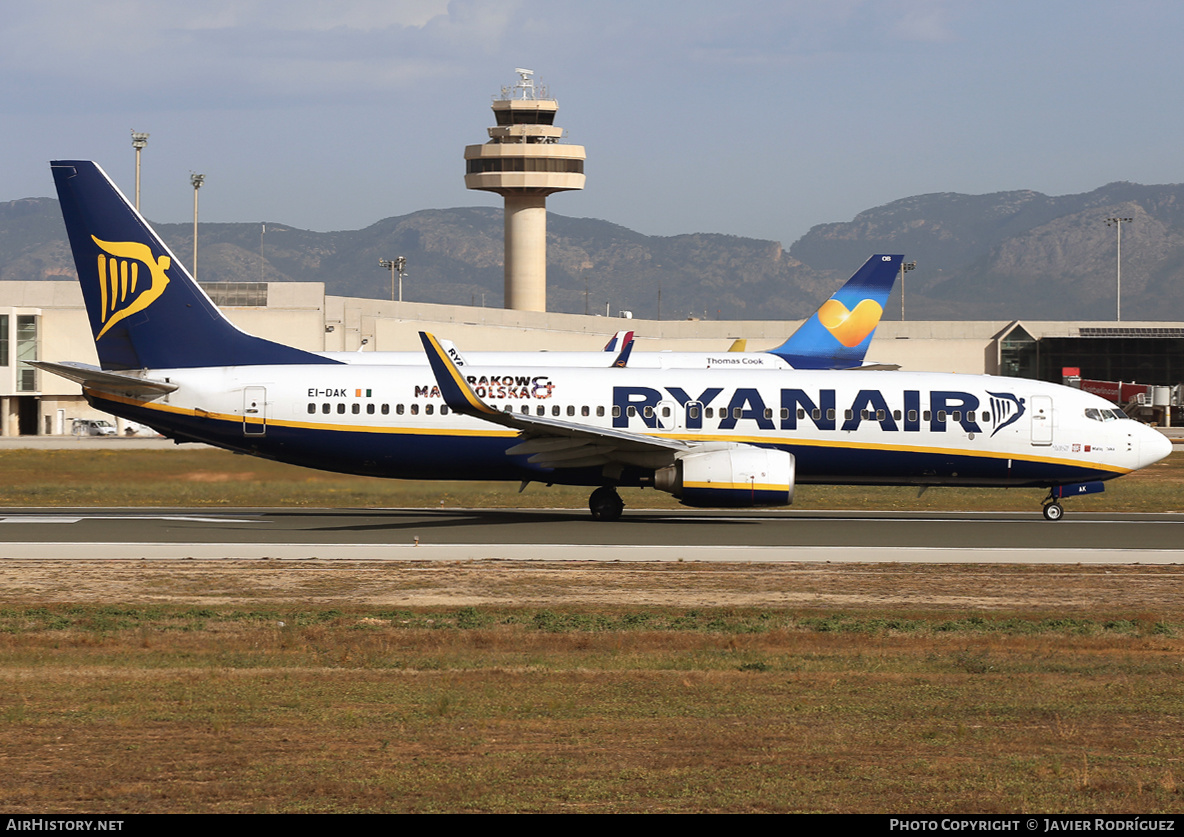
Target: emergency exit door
254,411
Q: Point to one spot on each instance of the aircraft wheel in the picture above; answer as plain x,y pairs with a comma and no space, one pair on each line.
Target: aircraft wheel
605,503
1054,511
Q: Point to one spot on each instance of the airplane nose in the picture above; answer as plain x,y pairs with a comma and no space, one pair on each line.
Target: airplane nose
1153,446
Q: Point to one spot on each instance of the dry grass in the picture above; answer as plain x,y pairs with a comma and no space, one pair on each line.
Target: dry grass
897,688
204,477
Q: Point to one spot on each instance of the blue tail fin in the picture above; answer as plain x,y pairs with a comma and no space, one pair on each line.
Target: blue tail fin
146,312
838,334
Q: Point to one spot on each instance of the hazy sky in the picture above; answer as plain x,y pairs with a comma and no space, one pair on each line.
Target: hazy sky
744,117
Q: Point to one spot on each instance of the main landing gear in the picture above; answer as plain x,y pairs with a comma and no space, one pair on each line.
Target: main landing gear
605,503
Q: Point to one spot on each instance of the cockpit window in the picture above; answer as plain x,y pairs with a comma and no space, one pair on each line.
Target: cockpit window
1104,415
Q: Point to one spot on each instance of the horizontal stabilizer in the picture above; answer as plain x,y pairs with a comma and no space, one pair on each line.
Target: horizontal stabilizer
92,377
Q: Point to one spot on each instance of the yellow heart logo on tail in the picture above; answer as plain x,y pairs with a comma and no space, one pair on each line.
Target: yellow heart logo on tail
850,327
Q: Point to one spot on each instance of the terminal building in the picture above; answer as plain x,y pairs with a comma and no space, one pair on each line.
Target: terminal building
46,320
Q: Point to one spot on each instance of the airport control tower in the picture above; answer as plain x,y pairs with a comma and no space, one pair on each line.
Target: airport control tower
524,162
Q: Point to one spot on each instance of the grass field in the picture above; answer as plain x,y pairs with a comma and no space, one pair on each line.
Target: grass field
205,477
304,709
317,686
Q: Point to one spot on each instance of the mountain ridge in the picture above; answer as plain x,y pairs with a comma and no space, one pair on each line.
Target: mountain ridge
1004,255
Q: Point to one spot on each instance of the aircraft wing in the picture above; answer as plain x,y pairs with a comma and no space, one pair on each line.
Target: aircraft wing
92,377
550,442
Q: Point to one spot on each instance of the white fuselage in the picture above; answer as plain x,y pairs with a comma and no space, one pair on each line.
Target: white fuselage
871,427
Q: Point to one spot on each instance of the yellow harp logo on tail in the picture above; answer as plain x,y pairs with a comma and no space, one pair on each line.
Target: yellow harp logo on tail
123,291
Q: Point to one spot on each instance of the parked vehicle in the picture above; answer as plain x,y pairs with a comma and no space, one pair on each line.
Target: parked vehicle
93,427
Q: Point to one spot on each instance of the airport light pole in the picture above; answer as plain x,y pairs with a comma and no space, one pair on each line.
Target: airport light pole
393,265
196,180
905,267
1118,222
263,232
139,140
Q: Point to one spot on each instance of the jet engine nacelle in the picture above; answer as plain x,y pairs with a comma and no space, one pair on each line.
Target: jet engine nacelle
734,477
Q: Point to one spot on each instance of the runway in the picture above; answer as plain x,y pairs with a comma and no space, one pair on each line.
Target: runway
569,535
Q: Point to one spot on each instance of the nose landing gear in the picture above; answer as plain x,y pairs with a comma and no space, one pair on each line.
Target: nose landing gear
1053,511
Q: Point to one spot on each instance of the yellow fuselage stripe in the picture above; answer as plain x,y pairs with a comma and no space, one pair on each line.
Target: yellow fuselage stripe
700,437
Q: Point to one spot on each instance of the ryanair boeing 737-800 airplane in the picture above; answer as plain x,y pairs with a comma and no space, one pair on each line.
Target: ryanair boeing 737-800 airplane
712,437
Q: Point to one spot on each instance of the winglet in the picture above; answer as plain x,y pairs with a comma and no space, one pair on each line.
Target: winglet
622,336
457,393
837,336
623,358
